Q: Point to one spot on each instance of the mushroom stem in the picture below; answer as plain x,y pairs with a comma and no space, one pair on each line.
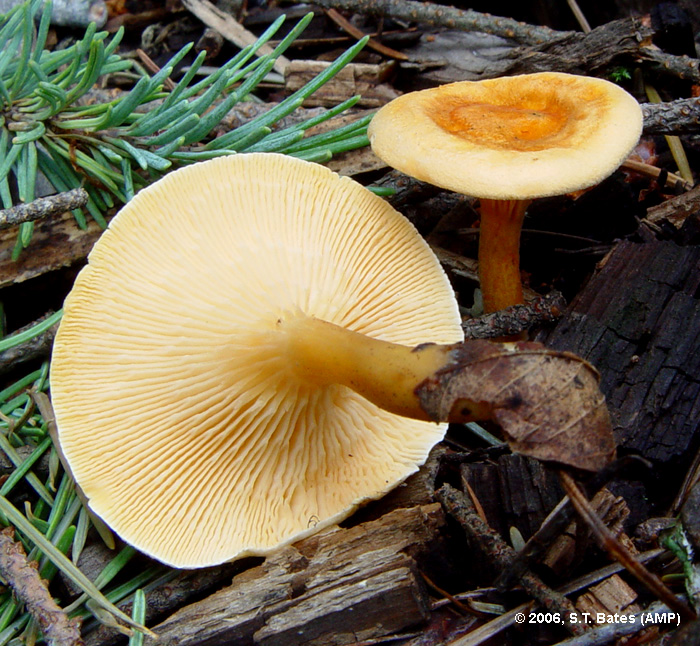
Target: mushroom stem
387,374
499,253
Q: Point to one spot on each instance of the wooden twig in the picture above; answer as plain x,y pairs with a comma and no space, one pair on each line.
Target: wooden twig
441,16
153,68
230,29
578,14
660,175
681,117
23,577
43,207
349,28
462,510
516,319
682,67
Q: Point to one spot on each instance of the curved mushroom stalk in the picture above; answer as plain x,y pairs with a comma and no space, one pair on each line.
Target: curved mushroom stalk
548,403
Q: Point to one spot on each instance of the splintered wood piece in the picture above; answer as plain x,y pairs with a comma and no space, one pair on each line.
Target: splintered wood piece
565,549
547,403
342,583
364,79
611,596
610,543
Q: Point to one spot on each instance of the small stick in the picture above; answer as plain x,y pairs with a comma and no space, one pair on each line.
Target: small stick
658,174
349,28
43,207
682,67
153,68
516,319
462,510
578,14
23,577
608,541
437,15
680,117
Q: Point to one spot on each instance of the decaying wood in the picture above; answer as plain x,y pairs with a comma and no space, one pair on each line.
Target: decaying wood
611,596
173,592
38,346
567,549
341,586
638,322
354,79
677,209
57,242
607,540
23,577
515,491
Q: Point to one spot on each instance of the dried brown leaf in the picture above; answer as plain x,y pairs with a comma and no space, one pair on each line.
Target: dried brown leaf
547,402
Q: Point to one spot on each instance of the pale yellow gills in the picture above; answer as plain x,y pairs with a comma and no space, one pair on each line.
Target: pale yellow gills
177,409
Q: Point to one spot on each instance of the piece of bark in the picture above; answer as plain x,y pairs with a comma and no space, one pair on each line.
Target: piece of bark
364,79
183,588
332,588
638,322
57,242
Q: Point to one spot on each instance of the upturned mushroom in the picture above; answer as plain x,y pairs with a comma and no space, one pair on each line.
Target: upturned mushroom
197,372
235,368
507,141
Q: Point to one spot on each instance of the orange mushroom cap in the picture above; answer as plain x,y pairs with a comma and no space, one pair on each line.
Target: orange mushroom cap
517,137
